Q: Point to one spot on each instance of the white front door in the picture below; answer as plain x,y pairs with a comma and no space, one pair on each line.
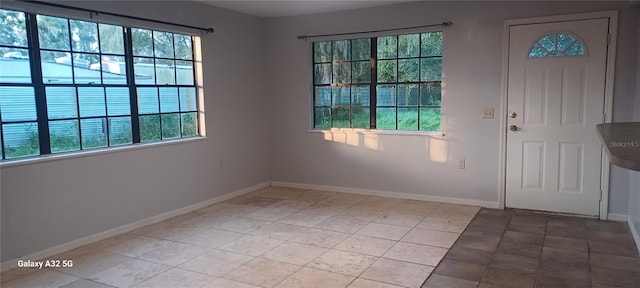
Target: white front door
556,93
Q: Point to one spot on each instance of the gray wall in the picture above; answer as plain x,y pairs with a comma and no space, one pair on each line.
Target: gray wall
472,68
634,183
49,203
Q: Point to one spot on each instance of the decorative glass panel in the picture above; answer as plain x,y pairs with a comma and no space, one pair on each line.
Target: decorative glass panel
557,44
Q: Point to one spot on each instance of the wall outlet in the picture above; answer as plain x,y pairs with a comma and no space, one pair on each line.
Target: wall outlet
487,113
221,163
461,164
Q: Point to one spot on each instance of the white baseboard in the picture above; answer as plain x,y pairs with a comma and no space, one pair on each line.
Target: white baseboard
368,192
10,264
617,217
634,232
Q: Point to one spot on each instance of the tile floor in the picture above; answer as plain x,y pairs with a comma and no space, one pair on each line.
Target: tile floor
275,237
510,249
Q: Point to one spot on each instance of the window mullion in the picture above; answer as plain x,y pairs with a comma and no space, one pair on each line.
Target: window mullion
38,84
133,92
373,98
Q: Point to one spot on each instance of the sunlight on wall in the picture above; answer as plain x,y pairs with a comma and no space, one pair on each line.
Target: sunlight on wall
438,150
357,139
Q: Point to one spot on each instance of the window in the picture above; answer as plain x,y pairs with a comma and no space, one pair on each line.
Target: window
389,83
556,44
69,85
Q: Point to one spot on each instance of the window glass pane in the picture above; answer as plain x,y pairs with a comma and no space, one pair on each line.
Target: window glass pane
430,94
84,36
431,44
322,52
548,42
183,46
53,33
408,45
149,128
537,51
322,117
118,101
111,39
94,133
17,104
408,95
120,131
341,96
56,67
91,100
144,70
576,49
81,71
431,69
323,96
362,72
148,100
386,95
184,72
407,118
361,49
64,135
361,117
387,71
340,117
408,70
342,50
342,72
163,44
170,126
169,100
142,42
386,118
430,119
61,102
360,95
322,73
14,65
188,99
14,30
20,140
114,70
189,124
165,72
564,41
387,47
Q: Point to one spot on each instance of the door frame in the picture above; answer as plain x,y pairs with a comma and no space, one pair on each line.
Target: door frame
612,15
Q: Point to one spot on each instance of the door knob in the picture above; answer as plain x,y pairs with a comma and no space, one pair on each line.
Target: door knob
513,115
513,128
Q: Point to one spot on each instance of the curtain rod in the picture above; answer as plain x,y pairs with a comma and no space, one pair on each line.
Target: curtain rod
96,12
305,37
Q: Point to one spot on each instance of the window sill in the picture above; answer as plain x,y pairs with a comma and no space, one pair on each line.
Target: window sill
379,132
93,152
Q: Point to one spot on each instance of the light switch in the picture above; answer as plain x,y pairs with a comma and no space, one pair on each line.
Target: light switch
487,113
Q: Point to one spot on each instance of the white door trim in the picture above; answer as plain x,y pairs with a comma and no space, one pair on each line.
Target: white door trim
612,15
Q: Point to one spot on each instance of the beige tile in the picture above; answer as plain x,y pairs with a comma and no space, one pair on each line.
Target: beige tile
40,279
84,283
176,278
453,211
294,253
444,224
184,217
431,237
311,278
213,207
243,225
212,238
364,283
415,207
270,214
378,202
252,245
304,219
341,225
399,218
129,273
385,231
361,214
321,238
234,210
89,264
397,272
226,283
293,205
99,245
365,245
343,262
326,209
416,253
175,233
174,254
280,231
279,193
262,272
137,246
216,262
16,273
151,228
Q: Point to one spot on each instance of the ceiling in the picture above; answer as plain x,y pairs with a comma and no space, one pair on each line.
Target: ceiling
278,8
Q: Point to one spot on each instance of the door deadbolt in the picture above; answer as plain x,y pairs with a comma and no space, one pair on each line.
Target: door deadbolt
513,115
513,128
